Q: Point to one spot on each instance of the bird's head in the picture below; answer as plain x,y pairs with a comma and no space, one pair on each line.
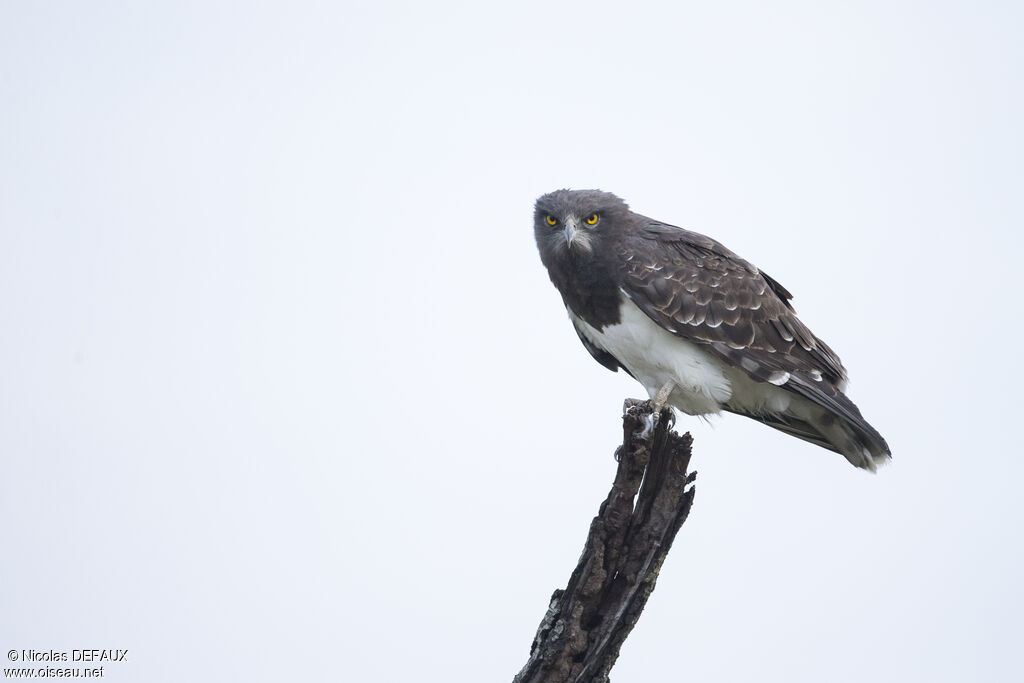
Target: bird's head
572,223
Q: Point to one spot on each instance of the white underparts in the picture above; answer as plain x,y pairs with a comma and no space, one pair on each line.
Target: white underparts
655,356
704,383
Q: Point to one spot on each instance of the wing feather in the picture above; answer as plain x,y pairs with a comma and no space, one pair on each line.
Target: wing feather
695,287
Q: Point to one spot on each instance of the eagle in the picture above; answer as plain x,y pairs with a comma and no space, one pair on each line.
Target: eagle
703,330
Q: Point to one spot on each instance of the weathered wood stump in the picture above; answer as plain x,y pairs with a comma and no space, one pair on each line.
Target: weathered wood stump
580,636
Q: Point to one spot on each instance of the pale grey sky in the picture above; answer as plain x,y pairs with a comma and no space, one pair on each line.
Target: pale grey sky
285,393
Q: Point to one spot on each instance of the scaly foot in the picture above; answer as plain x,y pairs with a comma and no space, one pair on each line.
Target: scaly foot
661,398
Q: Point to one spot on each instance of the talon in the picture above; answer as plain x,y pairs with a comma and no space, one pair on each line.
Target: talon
648,429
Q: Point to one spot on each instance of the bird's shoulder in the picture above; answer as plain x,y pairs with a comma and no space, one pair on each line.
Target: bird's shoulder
667,243
664,258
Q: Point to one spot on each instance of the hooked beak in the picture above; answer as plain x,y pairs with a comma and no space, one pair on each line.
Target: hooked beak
570,232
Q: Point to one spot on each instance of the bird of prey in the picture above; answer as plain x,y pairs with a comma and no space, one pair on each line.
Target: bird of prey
700,328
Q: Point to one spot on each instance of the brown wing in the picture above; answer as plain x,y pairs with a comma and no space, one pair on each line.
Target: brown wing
697,289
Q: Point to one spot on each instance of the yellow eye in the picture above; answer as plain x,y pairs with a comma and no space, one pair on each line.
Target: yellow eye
550,220
592,219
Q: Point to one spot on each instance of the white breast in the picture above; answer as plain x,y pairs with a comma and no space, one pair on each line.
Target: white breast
654,356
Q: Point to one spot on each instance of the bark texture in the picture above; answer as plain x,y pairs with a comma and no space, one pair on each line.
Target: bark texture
579,638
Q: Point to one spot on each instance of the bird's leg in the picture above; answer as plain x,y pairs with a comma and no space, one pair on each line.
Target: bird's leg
661,398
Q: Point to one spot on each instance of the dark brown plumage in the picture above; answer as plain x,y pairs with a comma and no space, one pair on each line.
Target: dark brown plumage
701,292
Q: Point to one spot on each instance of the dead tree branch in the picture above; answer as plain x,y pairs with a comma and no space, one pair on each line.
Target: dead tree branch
579,638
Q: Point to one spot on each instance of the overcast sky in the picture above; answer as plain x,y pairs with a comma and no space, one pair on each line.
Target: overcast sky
286,394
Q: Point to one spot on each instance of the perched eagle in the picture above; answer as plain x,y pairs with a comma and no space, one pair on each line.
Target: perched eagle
702,329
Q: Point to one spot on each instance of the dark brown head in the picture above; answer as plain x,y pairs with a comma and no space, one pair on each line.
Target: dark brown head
572,224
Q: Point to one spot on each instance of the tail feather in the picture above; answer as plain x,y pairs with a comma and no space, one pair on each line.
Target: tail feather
841,424
863,448
798,428
858,442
